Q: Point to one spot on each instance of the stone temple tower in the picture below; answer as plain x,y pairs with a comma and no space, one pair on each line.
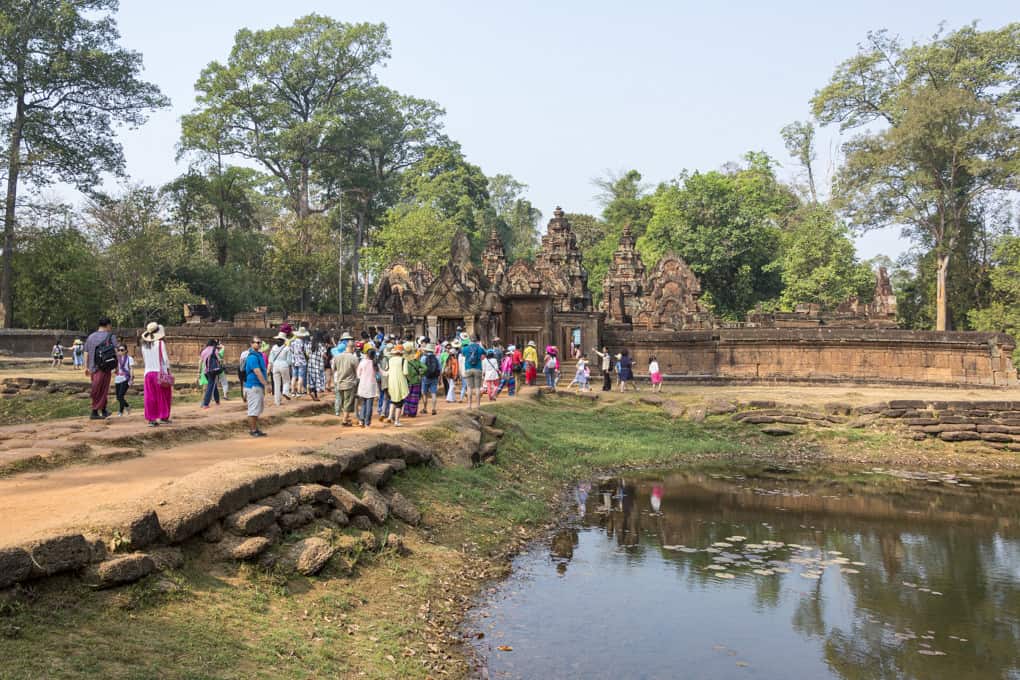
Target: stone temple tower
494,263
560,260
623,286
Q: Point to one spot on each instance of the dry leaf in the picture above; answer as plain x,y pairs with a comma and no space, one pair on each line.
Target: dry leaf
505,648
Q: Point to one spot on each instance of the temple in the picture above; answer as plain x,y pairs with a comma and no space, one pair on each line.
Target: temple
649,310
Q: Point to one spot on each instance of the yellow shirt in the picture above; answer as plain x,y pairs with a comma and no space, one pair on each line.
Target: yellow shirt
531,354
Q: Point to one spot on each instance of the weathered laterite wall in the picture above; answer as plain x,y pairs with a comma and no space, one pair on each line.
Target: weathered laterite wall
824,355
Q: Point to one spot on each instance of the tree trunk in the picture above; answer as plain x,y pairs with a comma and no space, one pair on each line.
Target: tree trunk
13,170
359,236
941,307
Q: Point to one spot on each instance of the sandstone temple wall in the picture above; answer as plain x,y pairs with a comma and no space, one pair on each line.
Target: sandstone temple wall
824,355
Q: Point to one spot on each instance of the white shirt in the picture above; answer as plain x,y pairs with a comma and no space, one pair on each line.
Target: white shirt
653,367
491,368
151,356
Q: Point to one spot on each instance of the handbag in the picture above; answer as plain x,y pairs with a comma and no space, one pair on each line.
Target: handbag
166,378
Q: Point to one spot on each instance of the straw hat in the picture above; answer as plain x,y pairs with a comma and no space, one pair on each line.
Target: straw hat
301,332
77,341
153,332
531,343
280,336
346,336
455,344
408,347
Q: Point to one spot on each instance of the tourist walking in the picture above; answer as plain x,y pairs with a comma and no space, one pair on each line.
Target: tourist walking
451,371
317,366
581,375
78,353
368,388
490,370
507,377
397,383
299,361
414,369
382,363
474,353
654,374
210,368
123,380
224,383
255,381
626,371
57,354
606,360
530,356
280,361
100,355
550,367
345,380
431,375
158,383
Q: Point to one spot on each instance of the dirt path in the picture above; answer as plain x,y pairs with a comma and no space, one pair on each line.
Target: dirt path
33,502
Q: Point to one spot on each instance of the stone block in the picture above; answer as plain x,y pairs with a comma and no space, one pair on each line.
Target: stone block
243,549
760,420
893,412
167,557
949,427
310,555
959,436
281,502
402,508
297,519
339,517
375,504
310,493
376,474
61,553
792,420
347,501
776,430
15,566
250,520
908,404
916,422
121,570
995,437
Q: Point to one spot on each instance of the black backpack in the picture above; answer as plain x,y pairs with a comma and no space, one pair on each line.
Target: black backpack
106,354
213,366
432,369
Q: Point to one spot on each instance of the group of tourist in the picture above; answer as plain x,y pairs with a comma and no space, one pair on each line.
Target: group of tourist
377,374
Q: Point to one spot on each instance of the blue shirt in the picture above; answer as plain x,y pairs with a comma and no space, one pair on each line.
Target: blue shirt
254,360
473,355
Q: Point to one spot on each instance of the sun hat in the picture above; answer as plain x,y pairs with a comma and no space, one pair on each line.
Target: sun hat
456,344
408,346
153,332
301,332
280,336
531,343
286,328
511,348
464,337
77,341
346,336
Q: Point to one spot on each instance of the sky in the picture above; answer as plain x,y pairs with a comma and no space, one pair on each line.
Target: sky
559,93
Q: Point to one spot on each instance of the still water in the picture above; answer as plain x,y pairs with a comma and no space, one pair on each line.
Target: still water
685,575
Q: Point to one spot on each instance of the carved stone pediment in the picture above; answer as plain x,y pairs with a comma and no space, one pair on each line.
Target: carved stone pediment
400,288
671,298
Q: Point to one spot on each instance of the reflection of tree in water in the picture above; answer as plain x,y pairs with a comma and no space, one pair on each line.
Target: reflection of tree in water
949,542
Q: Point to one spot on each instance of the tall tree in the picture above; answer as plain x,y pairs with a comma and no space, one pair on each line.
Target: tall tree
938,131
279,94
516,219
381,134
65,83
727,227
799,138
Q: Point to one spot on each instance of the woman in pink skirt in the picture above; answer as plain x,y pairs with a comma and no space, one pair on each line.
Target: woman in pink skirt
158,384
655,373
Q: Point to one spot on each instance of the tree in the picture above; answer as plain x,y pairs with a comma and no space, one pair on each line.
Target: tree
516,219
381,134
625,200
441,194
937,133
799,138
65,84
588,230
1003,312
817,261
726,226
279,94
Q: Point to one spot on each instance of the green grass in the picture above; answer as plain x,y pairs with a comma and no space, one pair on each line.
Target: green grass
37,406
363,617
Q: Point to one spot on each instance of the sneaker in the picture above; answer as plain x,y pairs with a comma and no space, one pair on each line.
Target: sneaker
206,408
153,423
257,433
433,411
165,421
95,416
398,424
105,413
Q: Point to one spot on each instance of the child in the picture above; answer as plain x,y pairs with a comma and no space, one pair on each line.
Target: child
122,381
656,375
490,368
581,375
57,353
78,353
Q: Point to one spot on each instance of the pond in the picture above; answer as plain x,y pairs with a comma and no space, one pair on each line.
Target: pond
689,575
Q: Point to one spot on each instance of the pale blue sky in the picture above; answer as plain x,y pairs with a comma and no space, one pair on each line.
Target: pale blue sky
556,93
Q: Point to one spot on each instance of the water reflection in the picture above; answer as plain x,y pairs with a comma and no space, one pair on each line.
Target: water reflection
686,575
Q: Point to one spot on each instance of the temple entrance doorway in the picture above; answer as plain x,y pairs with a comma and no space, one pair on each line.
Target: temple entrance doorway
522,338
448,326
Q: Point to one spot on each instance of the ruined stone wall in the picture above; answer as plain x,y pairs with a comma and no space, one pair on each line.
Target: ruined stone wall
824,355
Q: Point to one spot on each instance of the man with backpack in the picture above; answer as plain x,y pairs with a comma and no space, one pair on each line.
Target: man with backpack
474,353
430,379
100,361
